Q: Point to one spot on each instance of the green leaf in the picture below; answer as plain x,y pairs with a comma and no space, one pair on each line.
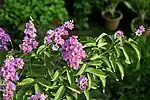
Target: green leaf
37,88
60,92
56,75
73,89
40,49
101,44
44,82
96,56
126,56
86,93
106,61
103,79
47,54
95,63
89,45
26,81
101,36
117,51
69,78
69,97
135,47
129,6
82,69
120,69
89,81
96,72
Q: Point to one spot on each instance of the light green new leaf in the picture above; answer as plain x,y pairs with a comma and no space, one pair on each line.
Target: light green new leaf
126,56
26,81
73,89
40,49
89,45
60,92
101,36
96,72
86,93
82,69
69,77
56,75
120,69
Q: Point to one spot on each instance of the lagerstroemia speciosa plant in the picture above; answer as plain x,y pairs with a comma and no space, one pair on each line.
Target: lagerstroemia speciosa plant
64,68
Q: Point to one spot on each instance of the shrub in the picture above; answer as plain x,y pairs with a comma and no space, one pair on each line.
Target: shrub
62,68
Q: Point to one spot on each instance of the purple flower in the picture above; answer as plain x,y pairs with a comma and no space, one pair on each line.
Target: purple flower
57,36
19,63
10,86
7,95
9,74
4,39
38,96
82,82
140,30
69,25
55,47
29,41
72,52
118,34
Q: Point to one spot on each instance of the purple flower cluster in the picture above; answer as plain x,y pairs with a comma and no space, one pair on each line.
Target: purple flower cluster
119,33
72,52
82,82
4,39
9,74
57,36
29,41
140,30
38,96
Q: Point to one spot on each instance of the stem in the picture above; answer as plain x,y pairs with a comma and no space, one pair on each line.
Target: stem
11,45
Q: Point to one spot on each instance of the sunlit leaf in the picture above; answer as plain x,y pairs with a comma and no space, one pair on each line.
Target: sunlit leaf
89,45
26,81
120,69
73,89
69,77
56,75
96,72
82,69
101,36
60,92
126,56
87,95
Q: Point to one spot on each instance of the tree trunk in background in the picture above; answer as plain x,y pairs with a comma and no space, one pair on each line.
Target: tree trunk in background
1,3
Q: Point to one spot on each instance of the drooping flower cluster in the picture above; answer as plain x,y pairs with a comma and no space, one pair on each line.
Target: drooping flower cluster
72,52
38,96
119,33
82,82
140,30
29,41
4,39
57,36
9,74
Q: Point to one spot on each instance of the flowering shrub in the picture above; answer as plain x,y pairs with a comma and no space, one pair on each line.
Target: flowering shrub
63,68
